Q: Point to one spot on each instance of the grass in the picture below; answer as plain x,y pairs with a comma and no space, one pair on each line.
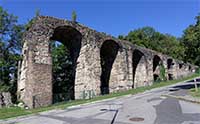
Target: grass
194,93
15,111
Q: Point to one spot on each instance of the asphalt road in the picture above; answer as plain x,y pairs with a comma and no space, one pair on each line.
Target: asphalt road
150,107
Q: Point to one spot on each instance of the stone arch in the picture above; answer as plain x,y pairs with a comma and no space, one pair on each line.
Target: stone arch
139,64
71,39
35,76
189,67
108,54
180,65
170,76
156,62
169,67
169,63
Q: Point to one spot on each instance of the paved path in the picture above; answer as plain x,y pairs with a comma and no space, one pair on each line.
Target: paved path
150,107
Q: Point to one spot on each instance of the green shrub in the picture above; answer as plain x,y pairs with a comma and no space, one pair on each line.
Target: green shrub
162,73
4,88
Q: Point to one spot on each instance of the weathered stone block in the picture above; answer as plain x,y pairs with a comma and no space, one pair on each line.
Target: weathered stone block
5,99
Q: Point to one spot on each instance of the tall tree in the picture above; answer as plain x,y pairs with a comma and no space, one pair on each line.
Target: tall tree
63,89
148,37
191,42
10,49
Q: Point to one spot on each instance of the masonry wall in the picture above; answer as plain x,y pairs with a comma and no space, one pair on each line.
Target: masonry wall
121,74
35,74
141,74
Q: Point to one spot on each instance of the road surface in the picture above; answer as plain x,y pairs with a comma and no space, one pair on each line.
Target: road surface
150,107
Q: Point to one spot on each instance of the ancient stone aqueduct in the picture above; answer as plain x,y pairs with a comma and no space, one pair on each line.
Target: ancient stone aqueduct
101,63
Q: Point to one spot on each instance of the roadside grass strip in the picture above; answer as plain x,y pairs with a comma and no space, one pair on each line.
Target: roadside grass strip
11,112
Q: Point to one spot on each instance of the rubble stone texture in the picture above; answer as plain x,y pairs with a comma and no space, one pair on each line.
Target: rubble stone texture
5,99
102,64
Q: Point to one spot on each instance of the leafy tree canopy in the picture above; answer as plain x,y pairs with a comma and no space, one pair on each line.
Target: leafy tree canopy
10,49
191,42
148,37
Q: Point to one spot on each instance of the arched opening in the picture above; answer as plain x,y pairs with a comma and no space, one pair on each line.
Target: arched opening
180,65
156,69
65,52
156,62
170,76
136,59
190,67
169,63
108,53
155,77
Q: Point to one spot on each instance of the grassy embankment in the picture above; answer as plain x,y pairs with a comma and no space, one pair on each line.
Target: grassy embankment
15,111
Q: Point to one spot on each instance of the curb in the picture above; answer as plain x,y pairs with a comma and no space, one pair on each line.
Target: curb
192,100
99,101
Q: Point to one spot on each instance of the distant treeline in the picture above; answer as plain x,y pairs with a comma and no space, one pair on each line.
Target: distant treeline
186,48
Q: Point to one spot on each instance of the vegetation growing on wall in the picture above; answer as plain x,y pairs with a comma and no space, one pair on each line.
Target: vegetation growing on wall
162,75
74,16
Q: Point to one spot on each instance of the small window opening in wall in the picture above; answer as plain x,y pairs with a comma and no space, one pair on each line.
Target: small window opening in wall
170,76
189,67
180,66
25,52
169,63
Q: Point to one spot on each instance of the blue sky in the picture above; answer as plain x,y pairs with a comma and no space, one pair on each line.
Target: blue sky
113,16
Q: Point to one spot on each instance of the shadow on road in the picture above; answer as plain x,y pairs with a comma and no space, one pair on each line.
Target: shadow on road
197,79
185,86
